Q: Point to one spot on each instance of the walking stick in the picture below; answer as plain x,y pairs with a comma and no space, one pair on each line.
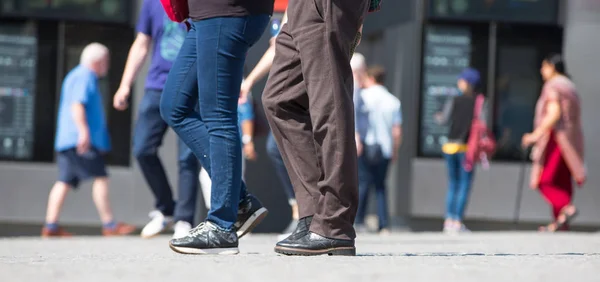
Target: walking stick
521,183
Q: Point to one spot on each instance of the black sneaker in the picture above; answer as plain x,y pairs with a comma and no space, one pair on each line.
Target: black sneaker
250,213
206,238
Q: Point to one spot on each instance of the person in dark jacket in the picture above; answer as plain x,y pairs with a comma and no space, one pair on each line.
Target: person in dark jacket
459,116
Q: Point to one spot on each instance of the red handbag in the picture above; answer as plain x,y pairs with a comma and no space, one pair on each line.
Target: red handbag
177,10
481,144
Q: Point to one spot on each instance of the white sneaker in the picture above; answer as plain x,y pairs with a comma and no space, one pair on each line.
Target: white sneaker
449,228
182,229
463,229
157,225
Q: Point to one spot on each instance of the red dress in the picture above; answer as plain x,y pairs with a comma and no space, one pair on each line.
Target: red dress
556,182
558,155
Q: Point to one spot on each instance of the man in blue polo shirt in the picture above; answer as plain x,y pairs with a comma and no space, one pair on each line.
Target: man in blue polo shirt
81,141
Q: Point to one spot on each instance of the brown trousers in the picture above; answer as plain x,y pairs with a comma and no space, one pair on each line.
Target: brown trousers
309,106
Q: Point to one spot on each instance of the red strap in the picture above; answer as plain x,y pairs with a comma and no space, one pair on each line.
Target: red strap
478,106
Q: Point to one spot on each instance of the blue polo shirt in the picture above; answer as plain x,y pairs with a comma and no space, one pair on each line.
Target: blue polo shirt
81,86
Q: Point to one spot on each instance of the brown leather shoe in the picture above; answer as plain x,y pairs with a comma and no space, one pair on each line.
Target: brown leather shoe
55,233
120,230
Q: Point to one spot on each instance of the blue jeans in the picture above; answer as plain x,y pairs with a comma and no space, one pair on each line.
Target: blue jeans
459,186
372,174
149,132
280,170
208,71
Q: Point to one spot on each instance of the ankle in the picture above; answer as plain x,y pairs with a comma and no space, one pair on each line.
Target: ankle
52,226
570,209
109,225
295,214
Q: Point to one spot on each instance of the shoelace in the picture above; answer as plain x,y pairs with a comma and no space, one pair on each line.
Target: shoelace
198,229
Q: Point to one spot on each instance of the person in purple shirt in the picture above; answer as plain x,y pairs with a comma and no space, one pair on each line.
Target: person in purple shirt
166,37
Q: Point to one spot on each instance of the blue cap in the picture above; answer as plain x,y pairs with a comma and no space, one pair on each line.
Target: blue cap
471,76
275,27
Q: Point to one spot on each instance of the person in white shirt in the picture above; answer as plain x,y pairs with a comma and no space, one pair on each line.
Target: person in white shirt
379,132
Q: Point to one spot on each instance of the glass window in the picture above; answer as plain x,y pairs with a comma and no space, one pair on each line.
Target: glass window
520,52
30,84
18,65
447,51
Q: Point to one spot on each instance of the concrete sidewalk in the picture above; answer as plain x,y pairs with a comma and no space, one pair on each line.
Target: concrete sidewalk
400,257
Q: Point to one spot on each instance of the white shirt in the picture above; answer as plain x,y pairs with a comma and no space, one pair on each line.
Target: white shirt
377,112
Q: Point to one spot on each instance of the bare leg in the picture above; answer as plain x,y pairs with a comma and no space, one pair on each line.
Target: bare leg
567,214
295,214
101,199
55,201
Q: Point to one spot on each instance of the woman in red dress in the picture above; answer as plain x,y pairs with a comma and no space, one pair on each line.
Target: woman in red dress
558,143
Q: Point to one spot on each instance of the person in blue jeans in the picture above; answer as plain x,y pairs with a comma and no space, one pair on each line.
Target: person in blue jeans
379,136
459,188
459,116
208,71
166,37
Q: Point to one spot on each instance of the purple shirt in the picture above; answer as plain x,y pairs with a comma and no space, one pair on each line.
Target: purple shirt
167,37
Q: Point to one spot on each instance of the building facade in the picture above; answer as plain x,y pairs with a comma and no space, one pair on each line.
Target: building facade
425,49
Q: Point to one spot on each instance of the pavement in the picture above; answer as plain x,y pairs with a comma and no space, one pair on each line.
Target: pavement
493,256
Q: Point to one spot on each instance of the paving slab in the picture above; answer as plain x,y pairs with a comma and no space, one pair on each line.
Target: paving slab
494,256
